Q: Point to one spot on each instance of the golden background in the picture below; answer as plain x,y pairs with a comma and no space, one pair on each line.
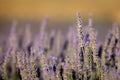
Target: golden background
61,12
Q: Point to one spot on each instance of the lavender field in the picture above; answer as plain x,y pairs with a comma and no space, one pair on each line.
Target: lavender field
76,55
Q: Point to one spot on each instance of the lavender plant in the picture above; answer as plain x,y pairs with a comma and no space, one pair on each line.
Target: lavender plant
76,56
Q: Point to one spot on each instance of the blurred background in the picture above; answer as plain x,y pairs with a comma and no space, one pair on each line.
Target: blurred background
61,13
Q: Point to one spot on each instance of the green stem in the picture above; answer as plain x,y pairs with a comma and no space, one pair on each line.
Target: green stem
91,60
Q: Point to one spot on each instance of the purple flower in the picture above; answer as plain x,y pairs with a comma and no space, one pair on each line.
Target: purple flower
88,67
105,69
118,73
41,52
94,53
54,58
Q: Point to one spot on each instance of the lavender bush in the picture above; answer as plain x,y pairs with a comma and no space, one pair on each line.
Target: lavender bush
76,56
